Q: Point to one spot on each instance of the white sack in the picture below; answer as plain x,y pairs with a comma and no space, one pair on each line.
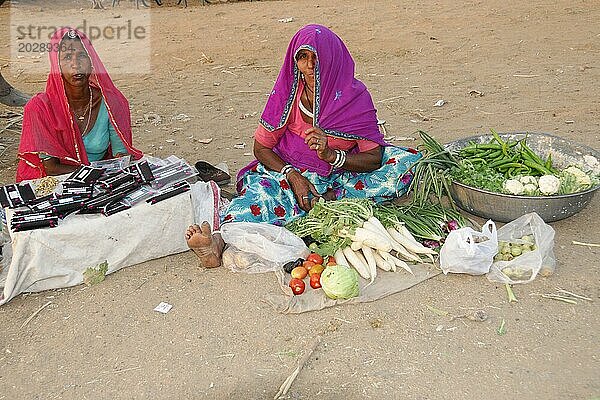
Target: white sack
53,258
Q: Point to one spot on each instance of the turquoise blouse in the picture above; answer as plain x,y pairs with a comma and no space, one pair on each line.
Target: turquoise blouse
102,134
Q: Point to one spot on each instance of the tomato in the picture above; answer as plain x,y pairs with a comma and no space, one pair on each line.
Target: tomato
308,264
299,272
331,261
297,286
315,281
316,269
316,258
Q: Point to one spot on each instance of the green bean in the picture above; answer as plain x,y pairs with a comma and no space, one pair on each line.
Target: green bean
537,167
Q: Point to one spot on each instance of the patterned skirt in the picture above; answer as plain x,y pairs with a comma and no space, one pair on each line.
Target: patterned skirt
266,195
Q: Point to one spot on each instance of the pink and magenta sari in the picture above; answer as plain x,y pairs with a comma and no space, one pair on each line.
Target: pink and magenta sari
48,125
343,109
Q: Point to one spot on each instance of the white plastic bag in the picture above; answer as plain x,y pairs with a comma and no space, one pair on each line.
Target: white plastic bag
259,247
524,268
467,251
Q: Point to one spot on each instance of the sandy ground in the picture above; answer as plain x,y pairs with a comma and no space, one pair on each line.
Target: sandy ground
536,64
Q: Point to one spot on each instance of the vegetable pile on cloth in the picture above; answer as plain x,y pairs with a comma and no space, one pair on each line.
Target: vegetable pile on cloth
370,262
45,259
387,283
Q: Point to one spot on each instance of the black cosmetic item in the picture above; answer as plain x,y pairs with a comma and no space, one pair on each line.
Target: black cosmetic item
96,204
33,216
85,174
70,188
16,195
111,182
67,205
142,171
113,208
26,226
178,188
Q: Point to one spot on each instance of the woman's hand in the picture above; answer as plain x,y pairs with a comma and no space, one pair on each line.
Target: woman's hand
317,140
305,192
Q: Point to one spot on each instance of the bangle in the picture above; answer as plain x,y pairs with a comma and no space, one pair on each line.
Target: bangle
286,169
340,159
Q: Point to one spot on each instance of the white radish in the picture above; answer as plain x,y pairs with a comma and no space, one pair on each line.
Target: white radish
407,255
340,259
409,244
403,230
381,263
401,264
376,224
372,239
371,263
388,259
356,246
356,263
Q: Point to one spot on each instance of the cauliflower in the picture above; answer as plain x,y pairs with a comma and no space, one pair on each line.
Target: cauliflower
549,184
591,163
581,177
513,186
529,189
528,179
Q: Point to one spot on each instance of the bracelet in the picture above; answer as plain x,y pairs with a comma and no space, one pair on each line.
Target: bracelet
286,169
340,159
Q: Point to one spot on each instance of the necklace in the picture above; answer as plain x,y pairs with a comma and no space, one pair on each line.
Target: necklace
89,113
87,108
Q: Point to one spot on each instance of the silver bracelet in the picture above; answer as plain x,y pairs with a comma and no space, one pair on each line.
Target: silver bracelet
340,159
286,168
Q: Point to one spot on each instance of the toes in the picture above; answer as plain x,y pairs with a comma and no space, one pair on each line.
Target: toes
205,229
192,230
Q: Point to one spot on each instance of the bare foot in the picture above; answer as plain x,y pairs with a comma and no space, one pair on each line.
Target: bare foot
208,247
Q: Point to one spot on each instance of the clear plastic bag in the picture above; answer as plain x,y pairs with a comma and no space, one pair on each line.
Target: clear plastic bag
259,247
525,267
467,251
112,165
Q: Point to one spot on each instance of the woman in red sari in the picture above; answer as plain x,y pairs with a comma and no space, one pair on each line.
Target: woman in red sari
81,117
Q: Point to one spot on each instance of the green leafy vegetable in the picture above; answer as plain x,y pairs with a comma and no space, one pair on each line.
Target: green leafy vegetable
340,282
92,276
478,175
326,220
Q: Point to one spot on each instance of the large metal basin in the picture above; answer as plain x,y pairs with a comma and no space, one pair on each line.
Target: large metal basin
503,207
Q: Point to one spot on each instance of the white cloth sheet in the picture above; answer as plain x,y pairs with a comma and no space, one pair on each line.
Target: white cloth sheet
53,258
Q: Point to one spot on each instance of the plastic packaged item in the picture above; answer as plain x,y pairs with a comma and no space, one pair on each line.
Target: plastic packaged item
16,195
143,193
26,226
112,165
175,170
174,190
467,251
112,181
113,208
260,247
85,174
70,188
142,171
524,267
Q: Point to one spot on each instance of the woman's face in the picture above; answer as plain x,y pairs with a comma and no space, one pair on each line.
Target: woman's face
306,60
75,64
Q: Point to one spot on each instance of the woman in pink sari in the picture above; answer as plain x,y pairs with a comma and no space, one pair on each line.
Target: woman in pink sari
318,137
81,117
